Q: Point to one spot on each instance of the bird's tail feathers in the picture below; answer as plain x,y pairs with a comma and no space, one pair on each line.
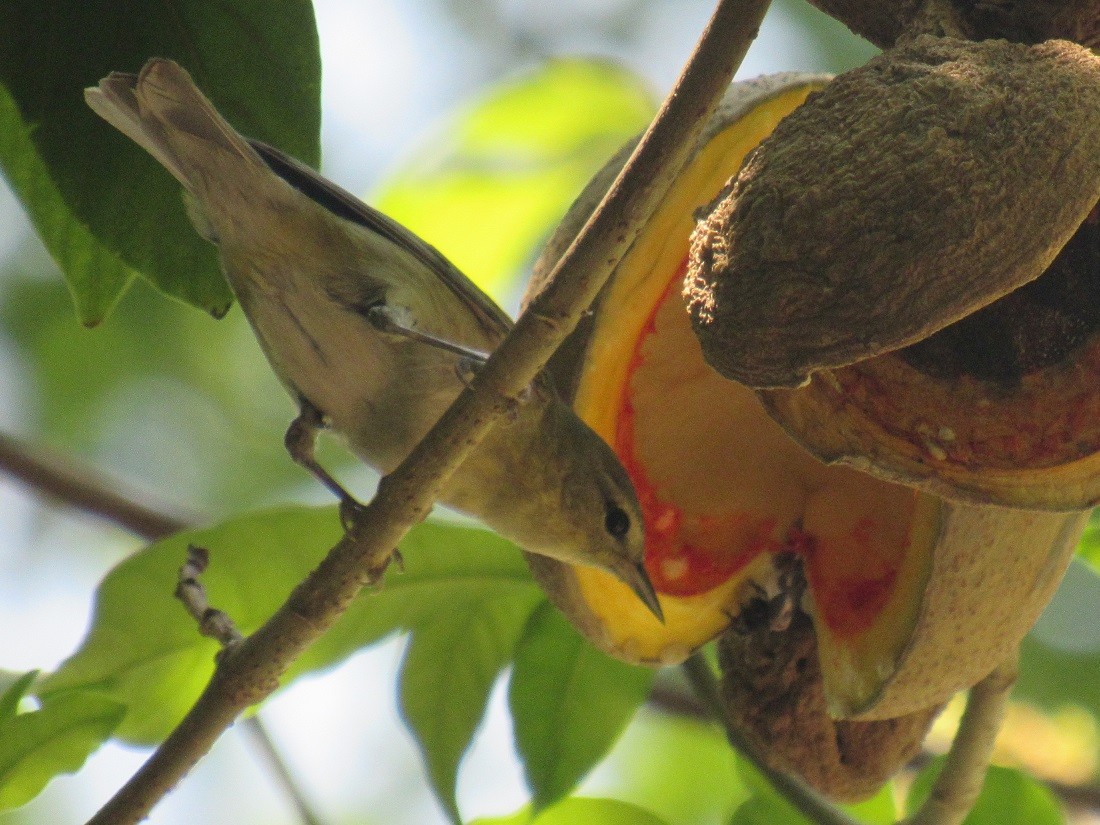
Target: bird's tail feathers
162,110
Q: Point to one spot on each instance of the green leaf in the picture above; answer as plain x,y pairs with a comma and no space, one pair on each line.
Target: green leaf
455,655
37,746
1008,797
1089,548
503,172
767,810
569,703
681,769
581,811
144,651
14,693
103,208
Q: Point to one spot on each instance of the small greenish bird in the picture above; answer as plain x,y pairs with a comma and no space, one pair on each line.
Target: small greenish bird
372,331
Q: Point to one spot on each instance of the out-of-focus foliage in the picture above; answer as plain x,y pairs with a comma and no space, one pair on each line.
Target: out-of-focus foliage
1008,797
513,162
569,704
104,209
56,738
579,810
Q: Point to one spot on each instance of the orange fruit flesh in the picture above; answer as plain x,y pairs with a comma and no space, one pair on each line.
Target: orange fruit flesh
721,485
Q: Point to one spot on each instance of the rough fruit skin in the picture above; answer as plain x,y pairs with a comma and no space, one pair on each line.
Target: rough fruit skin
906,195
1022,21
772,687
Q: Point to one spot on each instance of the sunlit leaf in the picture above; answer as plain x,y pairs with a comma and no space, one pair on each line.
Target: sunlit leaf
681,769
1008,797
569,703
37,746
144,651
502,173
581,811
1089,548
104,208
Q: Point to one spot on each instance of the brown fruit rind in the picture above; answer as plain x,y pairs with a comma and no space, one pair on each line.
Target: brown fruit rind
772,688
1021,21
906,195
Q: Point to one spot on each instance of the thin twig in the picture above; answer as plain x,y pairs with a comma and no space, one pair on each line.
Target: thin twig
249,672
809,802
218,625
212,622
957,787
57,477
277,767
92,492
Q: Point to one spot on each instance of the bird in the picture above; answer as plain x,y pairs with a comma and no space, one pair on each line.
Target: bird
373,332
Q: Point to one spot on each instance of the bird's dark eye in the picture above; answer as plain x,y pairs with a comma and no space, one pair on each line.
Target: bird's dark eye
616,521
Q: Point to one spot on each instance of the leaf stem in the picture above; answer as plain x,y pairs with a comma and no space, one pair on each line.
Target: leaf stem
250,671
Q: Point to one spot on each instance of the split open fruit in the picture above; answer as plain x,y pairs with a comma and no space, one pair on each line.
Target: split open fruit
917,250
912,597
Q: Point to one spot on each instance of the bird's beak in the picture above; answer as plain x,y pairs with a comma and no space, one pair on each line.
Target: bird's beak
637,579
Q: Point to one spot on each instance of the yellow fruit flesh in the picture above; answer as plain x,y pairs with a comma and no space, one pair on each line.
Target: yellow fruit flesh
717,476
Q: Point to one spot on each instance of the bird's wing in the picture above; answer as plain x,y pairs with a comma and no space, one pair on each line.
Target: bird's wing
493,320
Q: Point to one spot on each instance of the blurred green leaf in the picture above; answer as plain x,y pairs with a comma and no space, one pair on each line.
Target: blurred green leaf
37,746
456,653
1060,658
102,206
13,694
163,396
878,810
824,43
503,172
1051,678
1089,548
1008,797
681,769
580,811
569,703
767,810
144,651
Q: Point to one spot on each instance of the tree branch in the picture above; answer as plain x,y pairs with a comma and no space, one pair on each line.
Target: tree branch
56,477
957,787
250,671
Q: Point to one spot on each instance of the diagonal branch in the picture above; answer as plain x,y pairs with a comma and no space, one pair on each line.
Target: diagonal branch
249,672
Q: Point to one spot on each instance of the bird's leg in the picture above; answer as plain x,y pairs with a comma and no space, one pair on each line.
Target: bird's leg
384,319
301,436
